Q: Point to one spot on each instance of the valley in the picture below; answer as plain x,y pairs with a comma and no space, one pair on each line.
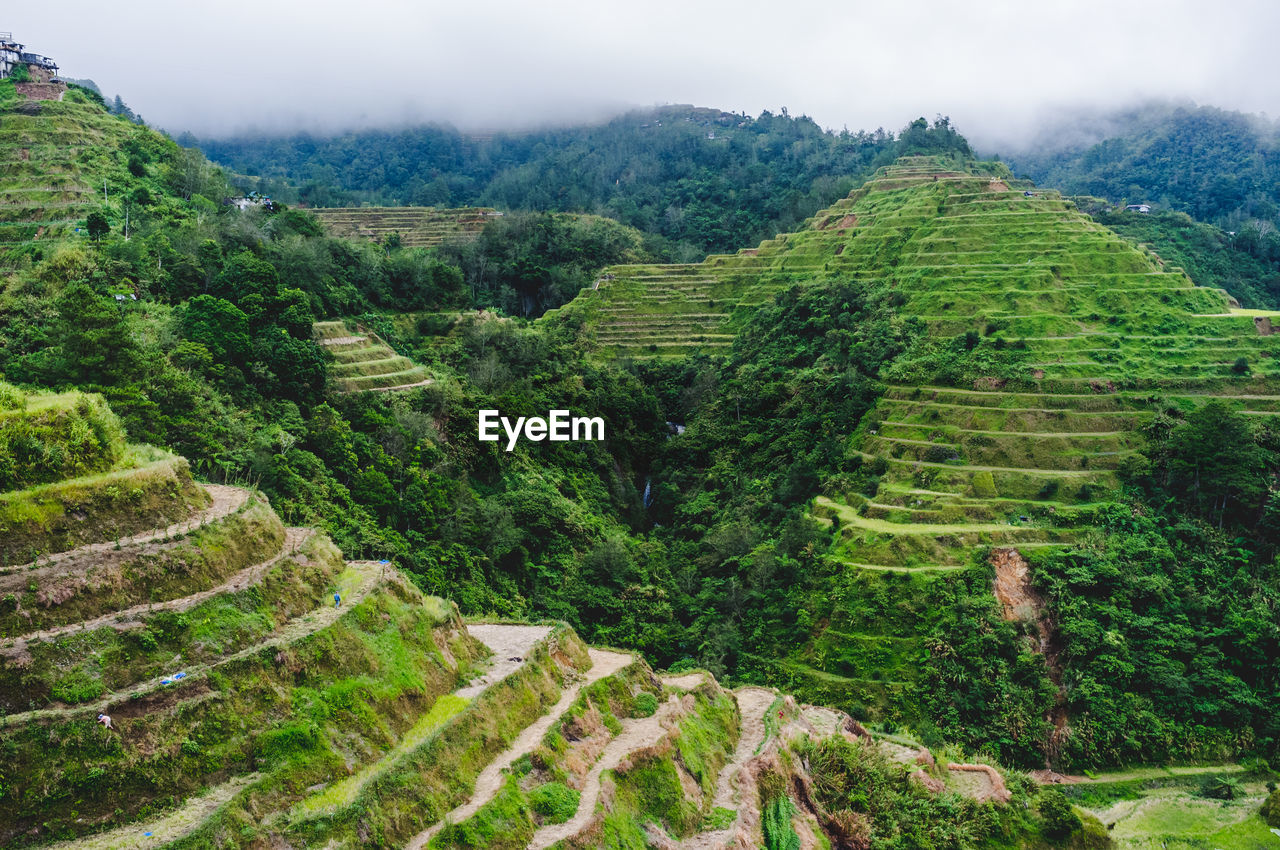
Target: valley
946,517
218,710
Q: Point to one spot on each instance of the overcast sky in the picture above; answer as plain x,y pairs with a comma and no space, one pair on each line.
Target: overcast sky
993,65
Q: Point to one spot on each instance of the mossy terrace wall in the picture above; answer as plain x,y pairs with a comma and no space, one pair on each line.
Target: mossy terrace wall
149,488
441,773
294,713
79,589
124,648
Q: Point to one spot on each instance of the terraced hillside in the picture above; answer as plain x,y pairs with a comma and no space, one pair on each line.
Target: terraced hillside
1093,338
362,361
1087,338
418,227
682,309
54,159
1072,339
222,680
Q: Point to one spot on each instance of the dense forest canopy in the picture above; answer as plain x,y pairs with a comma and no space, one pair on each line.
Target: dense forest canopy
1212,175
702,179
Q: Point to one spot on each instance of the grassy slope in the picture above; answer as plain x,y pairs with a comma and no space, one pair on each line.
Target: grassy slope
147,489
294,714
47,437
56,158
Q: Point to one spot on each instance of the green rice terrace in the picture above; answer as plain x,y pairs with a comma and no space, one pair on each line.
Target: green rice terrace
179,669
55,157
362,361
417,227
1088,339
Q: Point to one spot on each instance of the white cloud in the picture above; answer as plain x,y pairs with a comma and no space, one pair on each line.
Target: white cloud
994,65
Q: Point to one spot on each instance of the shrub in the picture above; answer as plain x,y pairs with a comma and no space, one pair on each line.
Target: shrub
555,801
646,704
11,398
77,686
50,438
288,740
1049,490
97,225
1060,820
1271,809
776,825
940,454
1220,788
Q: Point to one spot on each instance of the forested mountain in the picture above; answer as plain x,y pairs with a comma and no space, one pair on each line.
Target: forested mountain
702,179
1217,166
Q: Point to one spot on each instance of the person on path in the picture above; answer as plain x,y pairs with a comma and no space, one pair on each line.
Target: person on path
336,600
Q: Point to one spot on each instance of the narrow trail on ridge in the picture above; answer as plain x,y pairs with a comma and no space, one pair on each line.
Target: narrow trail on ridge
636,733
753,704
490,780
509,645
368,575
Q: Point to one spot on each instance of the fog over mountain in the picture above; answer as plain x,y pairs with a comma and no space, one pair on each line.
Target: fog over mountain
996,66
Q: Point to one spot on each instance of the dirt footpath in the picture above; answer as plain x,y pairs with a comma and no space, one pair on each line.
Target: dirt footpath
490,780
510,646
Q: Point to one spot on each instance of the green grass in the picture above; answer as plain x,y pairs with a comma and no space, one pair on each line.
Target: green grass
649,788
1173,817
555,802
501,824
431,779
148,488
297,712
536,794
342,793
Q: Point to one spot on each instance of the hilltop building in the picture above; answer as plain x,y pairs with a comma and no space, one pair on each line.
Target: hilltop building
40,82
12,54
1142,208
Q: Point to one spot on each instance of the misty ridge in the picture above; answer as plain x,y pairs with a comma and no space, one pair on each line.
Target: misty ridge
706,180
